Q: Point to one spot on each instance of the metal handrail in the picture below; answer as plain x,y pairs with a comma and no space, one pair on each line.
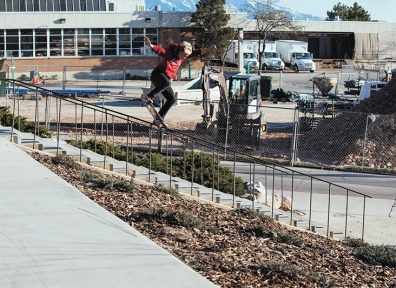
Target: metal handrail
195,142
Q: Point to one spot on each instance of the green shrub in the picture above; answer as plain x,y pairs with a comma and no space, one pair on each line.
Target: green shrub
292,271
377,255
67,161
22,124
175,217
107,182
355,243
167,190
222,175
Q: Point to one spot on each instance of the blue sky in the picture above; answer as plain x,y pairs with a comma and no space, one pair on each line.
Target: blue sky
379,10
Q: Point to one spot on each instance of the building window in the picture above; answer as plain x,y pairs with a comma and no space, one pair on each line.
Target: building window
96,5
152,34
70,5
55,42
36,5
56,5
89,5
43,5
22,6
97,41
2,45
110,41
29,5
83,5
40,42
63,5
124,41
69,42
12,43
27,43
137,41
83,42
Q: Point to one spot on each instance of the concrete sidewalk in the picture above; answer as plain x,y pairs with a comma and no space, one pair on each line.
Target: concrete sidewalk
54,236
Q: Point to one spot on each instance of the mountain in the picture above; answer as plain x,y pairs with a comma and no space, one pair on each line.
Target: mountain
232,5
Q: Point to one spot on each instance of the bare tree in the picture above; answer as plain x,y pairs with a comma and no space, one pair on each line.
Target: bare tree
271,22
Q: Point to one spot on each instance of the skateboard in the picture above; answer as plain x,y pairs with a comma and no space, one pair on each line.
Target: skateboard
153,111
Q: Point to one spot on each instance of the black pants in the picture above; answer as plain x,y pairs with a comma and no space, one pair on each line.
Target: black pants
162,85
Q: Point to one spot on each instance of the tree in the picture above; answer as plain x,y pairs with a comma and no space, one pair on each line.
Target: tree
211,20
353,13
271,22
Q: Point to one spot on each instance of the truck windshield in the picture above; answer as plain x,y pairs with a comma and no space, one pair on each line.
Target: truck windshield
303,56
271,55
249,56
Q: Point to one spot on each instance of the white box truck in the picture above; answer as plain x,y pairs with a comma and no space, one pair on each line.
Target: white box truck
249,56
270,59
295,55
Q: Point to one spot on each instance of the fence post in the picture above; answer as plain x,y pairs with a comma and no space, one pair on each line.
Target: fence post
365,139
293,151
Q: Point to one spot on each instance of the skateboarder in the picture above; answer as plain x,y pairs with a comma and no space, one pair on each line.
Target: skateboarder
162,75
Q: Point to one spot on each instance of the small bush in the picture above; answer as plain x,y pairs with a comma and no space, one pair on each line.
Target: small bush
20,123
289,239
67,161
107,182
355,243
167,190
289,270
292,271
247,212
222,175
175,217
377,255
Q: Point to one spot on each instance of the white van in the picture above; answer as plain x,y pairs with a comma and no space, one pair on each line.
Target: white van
370,87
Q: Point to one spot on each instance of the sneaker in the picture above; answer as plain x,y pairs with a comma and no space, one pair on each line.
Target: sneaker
147,99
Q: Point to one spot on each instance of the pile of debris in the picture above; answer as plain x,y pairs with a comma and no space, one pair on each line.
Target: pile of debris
366,134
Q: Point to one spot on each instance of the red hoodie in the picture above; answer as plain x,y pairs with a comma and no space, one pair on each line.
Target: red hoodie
170,63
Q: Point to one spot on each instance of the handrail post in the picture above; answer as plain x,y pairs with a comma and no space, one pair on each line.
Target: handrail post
81,130
346,214
192,167
328,211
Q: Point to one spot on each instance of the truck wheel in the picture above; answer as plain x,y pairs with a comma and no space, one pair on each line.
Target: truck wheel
296,68
264,66
312,71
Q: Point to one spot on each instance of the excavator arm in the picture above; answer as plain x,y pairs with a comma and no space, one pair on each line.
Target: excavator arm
219,78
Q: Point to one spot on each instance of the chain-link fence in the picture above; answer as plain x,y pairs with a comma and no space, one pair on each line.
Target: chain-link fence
321,135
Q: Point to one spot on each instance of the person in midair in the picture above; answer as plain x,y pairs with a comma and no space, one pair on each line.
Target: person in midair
162,75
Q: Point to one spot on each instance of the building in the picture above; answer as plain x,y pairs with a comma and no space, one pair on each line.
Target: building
97,37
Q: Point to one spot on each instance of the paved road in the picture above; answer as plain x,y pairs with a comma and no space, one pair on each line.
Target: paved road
374,185
288,80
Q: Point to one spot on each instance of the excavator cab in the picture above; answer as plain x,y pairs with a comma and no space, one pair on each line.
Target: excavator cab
244,91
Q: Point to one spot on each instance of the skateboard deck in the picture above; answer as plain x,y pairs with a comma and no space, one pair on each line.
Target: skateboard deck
153,111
